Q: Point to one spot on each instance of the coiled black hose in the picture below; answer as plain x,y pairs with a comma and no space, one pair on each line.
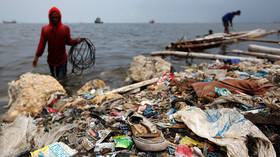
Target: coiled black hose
82,56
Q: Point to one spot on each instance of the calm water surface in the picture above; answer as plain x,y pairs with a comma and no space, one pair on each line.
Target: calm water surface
116,45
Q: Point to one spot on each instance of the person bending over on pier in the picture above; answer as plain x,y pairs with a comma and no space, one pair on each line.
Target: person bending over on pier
227,19
57,35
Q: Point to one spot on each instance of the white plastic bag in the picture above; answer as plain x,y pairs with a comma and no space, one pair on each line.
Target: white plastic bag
225,127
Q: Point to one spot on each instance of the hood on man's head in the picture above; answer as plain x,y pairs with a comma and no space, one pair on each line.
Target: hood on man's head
54,9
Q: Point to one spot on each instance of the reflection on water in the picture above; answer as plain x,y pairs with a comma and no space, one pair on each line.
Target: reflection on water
223,49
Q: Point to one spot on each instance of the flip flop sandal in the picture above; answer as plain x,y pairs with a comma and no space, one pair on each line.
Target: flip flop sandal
141,127
146,136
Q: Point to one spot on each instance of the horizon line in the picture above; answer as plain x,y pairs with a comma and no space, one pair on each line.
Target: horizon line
142,22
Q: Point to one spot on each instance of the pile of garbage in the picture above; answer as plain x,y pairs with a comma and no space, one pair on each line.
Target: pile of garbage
224,108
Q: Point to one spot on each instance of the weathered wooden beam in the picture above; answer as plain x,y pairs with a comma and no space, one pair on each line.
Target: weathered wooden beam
264,49
133,86
260,40
254,34
202,55
256,54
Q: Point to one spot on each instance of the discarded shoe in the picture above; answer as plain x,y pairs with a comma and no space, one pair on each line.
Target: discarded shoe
146,136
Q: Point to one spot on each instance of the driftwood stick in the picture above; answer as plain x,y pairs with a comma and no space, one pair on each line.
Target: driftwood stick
256,54
133,86
202,55
264,49
260,40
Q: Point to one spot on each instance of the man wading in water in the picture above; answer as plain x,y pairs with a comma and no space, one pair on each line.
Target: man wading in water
57,35
227,19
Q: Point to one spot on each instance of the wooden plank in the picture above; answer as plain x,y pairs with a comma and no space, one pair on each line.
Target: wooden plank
260,40
133,86
202,55
254,34
264,49
256,54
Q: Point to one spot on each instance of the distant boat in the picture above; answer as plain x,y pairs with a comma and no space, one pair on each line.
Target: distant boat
9,22
98,20
152,22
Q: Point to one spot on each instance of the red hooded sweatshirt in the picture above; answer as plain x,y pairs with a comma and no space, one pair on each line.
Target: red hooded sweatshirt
57,37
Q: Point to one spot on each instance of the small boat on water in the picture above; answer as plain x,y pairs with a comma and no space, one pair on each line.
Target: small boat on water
9,22
98,20
152,21
214,40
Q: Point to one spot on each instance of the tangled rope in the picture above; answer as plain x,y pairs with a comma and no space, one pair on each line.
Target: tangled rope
82,56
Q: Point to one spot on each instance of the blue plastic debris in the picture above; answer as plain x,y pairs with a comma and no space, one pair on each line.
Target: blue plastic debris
222,91
231,61
208,80
150,112
171,111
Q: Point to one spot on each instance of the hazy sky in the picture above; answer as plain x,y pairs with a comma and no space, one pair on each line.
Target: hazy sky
132,11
